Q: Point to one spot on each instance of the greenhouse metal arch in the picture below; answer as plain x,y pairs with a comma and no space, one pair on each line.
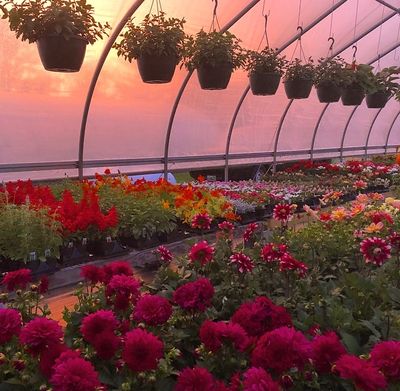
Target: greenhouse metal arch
375,16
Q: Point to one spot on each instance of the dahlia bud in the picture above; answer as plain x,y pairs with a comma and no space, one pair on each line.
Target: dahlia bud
151,379
34,288
308,376
287,381
19,365
43,387
25,378
125,387
2,358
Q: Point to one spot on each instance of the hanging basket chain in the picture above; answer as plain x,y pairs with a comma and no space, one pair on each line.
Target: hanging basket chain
378,68
215,22
331,39
354,47
299,43
265,33
158,5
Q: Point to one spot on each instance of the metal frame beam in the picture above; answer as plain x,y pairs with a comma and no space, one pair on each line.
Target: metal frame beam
185,82
386,4
370,130
95,77
390,131
237,110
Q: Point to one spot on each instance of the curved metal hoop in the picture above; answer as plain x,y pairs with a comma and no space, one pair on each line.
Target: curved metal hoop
95,78
370,130
345,131
185,83
390,131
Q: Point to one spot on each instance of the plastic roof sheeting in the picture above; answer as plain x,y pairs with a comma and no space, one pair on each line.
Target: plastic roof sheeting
41,112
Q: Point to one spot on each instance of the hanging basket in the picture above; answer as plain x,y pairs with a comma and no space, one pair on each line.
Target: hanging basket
62,55
377,100
298,88
352,96
328,93
264,83
156,69
214,77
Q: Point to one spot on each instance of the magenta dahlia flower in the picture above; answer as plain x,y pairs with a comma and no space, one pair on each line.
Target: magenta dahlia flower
18,279
153,310
164,254
10,324
242,261
386,357
249,232
272,252
97,323
258,379
375,250
284,212
288,263
201,253
195,379
202,221
195,296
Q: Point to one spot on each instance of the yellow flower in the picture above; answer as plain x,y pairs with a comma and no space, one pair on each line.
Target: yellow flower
339,214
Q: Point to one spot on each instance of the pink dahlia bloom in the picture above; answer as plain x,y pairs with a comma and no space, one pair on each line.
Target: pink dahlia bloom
261,315
142,350
201,253
153,310
40,333
195,379
257,379
242,261
10,324
17,280
386,357
202,221
97,323
363,374
280,350
195,296
326,350
375,250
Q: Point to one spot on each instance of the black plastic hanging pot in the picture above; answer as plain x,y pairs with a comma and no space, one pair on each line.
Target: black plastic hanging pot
328,93
298,88
264,83
155,69
377,100
62,55
214,77
352,96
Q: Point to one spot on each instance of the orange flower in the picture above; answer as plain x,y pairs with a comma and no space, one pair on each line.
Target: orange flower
339,214
372,228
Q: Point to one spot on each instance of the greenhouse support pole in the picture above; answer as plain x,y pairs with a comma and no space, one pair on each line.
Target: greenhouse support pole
246,91
95,77
370,130
185,83
345,131
278,133
390,131
380,55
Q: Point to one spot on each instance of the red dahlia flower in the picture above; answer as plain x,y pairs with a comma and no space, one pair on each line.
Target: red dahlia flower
242,261
195,296
201,252
257,379
43,286
48,358
10,324
122,290
214,334
284,212
92,274
288,263
153,310
142,350
273,252
98,322
164,254
106,344
40,333
226,226
117,268
386,357
280,350
326,350
249,232
261,315
375,250
363,374
17,280
74,374
195,379
201,221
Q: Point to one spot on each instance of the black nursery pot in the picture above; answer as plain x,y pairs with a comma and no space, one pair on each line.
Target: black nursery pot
352,96
328,93
155,69
264,83
214,77
298,88
62,55
377,100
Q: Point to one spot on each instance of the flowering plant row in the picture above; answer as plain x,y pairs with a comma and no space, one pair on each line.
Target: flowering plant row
288,312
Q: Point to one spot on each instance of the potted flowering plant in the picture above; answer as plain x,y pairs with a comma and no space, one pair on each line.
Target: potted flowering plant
215,55
157,44
265,69
328,79
61,28
383,86
356,81
299,79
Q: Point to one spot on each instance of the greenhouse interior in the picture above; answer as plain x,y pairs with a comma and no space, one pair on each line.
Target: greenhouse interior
200,195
